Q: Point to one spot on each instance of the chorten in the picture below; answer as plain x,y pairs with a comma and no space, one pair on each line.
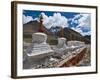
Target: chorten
39,47
62,40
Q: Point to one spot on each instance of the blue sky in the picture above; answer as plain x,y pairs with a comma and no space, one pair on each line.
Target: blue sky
35,14
80,22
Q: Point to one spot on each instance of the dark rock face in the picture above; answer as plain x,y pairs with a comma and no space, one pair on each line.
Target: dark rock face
70,34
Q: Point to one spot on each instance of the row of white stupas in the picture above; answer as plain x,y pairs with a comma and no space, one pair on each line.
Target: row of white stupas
40,48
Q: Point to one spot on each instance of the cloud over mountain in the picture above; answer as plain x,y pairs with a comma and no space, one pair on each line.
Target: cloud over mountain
27,19
56,20
81,31
80,22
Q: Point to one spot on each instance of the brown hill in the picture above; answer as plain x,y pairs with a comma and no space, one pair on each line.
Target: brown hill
69,34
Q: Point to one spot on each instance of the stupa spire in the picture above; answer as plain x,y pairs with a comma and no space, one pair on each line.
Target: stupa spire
41,29
62,32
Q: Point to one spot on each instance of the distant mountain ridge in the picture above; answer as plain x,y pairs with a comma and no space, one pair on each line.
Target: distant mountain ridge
69,34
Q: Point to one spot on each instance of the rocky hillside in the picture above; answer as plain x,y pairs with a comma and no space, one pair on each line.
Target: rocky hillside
69,34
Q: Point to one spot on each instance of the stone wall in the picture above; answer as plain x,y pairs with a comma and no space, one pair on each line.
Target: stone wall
74,60
75,43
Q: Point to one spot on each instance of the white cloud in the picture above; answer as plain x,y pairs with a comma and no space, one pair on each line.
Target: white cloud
49,21
56,20
84,22
27,19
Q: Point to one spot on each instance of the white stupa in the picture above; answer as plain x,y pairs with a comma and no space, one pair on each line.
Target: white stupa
39,47
61,48
62,43
39,44
62,40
